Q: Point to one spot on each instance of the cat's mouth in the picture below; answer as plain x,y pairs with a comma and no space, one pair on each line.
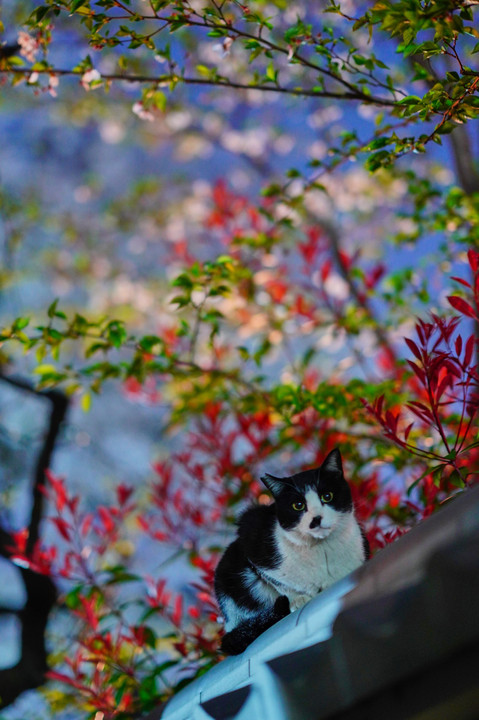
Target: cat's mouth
321,532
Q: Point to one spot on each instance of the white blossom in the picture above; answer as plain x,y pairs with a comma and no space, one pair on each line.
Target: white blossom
89,77
53,83
29,46
223,48
144,114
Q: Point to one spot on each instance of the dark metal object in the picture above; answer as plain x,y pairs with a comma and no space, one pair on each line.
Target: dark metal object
41,593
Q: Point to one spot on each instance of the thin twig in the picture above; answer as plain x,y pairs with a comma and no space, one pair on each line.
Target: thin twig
215,82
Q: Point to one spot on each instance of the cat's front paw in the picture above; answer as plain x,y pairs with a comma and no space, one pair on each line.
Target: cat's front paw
281,607
235,642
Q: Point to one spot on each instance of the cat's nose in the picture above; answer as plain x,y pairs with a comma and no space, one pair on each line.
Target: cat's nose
315,522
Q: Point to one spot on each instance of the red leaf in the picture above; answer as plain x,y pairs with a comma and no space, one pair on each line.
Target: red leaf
392,421
386,360
408,430
463,282
420,333
53,675
421,406
73,504
445,382
86,524
308,250
90,613
123,493
469,350
452,366
302,307
375,275
20,539
420,410
458,345
379,404
177,500
204,597
461,306
325,270
473,257
197,517
413,348
277,290
418,371
58,488
419,414
345,260
63,527
178,610
106,519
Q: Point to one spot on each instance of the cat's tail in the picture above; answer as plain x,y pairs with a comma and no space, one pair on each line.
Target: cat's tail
236,641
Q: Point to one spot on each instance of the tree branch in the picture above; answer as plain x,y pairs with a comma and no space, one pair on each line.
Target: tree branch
215,82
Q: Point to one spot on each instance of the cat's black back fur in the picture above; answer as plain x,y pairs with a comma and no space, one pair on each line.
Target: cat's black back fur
287,552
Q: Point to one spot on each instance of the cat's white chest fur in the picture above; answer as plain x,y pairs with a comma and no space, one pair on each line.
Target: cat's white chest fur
309,566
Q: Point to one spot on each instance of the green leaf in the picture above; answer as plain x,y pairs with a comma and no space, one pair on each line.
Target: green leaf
52,308
218,32
183,281
20,323
40,13
204,71
116,333
434,471
410,100
151,344
456,480
271,73
76,4
271,190
244,352
45,369
96,347
180,300
159,100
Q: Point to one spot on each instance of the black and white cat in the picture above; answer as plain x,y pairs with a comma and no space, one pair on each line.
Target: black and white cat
288,552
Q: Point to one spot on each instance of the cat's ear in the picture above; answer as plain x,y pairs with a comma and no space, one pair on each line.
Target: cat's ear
274,484
333,463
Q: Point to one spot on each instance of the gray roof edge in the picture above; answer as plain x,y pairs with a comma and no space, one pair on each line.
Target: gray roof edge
396,567
402,563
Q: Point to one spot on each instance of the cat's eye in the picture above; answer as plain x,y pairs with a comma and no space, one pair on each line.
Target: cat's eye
298,505
326,497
